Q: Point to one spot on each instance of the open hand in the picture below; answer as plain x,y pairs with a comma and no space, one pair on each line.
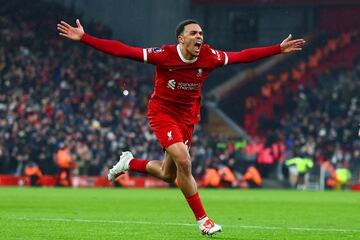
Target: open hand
289,45
73,33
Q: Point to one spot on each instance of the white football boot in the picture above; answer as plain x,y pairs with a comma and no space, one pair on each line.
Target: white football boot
208,227
121,166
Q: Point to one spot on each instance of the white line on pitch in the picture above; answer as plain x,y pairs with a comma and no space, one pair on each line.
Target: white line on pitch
184,224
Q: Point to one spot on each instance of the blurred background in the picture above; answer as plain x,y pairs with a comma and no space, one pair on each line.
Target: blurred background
67,111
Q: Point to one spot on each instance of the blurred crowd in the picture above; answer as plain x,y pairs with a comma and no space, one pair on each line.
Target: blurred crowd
323,122
54,92
319,111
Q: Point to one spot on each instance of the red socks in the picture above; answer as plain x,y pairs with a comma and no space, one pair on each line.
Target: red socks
196,206
138,165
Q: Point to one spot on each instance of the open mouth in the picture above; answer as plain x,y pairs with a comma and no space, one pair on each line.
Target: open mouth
197,46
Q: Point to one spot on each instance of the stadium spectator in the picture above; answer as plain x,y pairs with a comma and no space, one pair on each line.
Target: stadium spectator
64,161
211,178
174,107
251,178
227,177
343,178
265,160
33,173
122,180
302,166
329,175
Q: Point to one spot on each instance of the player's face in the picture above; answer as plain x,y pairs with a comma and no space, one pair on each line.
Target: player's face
191,40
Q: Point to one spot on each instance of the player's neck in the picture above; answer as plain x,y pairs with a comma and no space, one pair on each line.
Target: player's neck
186,54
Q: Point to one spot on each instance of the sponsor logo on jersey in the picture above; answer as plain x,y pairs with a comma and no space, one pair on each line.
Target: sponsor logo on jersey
170,137
187,86
172,84
199,72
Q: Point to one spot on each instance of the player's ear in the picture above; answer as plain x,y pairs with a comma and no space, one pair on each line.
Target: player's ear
181,39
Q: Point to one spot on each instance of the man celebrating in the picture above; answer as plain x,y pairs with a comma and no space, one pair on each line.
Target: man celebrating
174,106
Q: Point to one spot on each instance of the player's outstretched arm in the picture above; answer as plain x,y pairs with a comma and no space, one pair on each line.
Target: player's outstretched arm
254,54
111,47
289,45
73,33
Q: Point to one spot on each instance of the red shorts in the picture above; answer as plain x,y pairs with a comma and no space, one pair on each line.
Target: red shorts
168,131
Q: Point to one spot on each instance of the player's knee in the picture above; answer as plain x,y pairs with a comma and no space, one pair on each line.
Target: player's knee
182,159
184,165
170,178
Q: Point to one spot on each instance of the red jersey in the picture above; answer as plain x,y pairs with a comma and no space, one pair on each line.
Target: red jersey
178,81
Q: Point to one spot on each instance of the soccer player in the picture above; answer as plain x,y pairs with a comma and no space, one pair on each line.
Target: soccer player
174,106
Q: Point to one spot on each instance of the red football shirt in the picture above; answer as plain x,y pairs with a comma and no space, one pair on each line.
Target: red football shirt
178,81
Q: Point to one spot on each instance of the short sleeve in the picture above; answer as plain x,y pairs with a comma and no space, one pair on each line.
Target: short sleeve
155,55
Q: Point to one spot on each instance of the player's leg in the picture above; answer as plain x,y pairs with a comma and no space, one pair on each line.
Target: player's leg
179,154
164,170
176,157
167,132
186,182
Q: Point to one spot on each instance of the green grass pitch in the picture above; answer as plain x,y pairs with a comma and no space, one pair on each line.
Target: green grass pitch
104,213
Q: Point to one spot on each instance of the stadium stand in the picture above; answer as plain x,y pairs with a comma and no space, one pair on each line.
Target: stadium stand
318,112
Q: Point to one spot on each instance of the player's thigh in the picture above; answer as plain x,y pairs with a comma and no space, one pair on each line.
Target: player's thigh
180,155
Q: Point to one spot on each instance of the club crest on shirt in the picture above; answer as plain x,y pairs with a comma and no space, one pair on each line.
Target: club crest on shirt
169,134
155,50
199,72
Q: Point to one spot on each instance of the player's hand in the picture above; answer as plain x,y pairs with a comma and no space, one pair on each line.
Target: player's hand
73,33
289,45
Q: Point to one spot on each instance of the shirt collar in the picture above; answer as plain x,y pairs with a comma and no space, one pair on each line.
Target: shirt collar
182,57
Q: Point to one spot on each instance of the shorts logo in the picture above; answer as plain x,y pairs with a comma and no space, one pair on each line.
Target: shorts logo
170,137
171,84
187,147
186,144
